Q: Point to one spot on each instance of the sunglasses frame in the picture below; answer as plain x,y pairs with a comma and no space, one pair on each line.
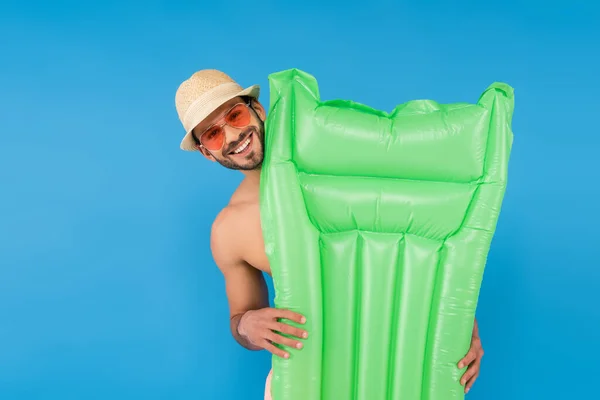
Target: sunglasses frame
247,103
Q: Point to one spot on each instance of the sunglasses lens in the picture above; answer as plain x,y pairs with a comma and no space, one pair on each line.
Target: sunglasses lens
238,117
212,139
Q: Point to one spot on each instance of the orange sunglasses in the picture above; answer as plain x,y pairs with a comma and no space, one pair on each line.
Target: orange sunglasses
238,116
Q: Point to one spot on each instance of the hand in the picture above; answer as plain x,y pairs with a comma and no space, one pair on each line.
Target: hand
262,327
473,361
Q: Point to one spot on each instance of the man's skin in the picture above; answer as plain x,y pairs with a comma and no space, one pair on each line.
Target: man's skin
238,248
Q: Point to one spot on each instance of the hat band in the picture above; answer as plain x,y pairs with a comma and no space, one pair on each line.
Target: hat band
205,104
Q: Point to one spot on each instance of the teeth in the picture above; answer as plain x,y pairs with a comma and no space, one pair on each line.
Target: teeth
242,146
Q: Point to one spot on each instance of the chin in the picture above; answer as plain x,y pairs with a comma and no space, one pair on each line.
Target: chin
254,163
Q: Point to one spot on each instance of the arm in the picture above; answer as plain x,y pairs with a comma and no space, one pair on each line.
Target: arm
245,286
253,323
246,291
475,330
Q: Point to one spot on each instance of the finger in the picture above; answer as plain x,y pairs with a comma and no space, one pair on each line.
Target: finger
471,382
468,359
471,372
275,350
275,338
289,330
289,315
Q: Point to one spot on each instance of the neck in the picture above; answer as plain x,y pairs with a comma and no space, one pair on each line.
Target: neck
252,175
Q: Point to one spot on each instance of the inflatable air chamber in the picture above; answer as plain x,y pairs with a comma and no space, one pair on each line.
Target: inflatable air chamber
377,227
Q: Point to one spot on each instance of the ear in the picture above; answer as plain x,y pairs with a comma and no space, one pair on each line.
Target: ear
201,149
259,109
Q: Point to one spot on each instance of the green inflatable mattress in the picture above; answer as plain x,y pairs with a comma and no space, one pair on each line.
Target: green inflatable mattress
377,226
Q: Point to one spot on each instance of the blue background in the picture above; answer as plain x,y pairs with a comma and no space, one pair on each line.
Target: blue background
107,287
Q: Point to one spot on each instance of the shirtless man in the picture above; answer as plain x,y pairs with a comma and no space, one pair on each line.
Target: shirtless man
225,123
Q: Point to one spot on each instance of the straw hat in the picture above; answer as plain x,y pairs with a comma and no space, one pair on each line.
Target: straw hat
201,94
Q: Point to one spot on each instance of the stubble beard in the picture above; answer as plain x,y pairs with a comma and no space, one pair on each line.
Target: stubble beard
256,156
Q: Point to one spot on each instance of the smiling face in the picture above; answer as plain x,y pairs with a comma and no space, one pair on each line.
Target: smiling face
233,135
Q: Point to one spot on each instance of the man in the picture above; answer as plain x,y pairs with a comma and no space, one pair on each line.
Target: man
225,123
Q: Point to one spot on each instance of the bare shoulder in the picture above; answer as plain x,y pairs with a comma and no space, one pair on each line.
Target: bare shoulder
230,227
236,237
223,237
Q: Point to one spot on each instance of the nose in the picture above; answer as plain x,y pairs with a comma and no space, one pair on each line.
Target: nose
232,134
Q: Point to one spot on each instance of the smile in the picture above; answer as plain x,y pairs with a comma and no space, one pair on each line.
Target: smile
244,147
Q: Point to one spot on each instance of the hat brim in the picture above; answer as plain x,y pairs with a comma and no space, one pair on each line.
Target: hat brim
188,143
